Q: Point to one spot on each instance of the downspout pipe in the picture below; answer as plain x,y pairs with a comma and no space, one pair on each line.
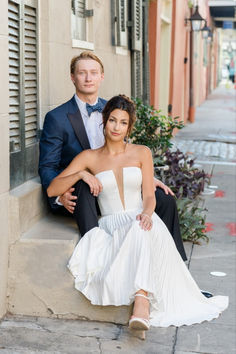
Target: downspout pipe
192,108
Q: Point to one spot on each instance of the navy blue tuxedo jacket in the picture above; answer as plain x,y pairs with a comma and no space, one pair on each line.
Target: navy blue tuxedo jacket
63,137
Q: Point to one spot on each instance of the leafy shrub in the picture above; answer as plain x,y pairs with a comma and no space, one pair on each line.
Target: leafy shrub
191,220
153,129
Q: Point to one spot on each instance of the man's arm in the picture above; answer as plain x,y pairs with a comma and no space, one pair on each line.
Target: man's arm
50,147
51,143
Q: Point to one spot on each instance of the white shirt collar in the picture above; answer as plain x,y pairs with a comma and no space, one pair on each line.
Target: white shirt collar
82,105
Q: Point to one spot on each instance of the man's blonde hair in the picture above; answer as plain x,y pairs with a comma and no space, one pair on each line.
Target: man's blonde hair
85,55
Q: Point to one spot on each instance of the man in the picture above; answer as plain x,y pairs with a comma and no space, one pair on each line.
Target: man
75,126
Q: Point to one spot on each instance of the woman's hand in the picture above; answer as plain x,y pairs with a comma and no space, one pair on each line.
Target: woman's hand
94,184
145,221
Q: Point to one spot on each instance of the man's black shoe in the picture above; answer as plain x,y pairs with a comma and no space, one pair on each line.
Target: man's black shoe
206,293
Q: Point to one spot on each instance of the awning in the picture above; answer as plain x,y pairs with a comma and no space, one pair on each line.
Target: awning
223,11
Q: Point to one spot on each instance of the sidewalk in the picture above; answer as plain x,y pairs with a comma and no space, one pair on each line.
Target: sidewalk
215,124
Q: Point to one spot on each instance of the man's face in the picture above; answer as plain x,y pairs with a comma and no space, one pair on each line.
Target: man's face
87,77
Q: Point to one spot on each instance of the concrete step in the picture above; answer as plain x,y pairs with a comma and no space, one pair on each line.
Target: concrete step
40,283
27,205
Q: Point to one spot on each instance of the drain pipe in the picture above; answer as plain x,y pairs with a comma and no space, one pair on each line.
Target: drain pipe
192,107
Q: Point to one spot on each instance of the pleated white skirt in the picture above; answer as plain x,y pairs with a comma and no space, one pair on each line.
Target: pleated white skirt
115,260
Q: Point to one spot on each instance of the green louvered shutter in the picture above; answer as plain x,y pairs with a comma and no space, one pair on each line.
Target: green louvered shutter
121,10
23,100
136,47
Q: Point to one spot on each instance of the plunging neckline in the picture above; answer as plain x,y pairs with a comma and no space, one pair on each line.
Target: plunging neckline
121,191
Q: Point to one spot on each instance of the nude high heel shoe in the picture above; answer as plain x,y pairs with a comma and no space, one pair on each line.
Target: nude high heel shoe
138,323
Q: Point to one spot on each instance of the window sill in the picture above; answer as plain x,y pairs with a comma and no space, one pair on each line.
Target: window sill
76,43
121,51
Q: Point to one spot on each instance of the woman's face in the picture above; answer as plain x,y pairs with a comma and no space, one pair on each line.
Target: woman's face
117,125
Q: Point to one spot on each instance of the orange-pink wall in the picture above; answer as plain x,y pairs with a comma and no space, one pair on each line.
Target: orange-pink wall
204,77
179,78
154,49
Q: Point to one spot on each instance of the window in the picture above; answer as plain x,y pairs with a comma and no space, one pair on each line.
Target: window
119,11
22,24
78,20
130,32
121,30
136,47
80,25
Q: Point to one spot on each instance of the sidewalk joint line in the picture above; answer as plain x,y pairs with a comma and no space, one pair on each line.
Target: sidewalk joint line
177,328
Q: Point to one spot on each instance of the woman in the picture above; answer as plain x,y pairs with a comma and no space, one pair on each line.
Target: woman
131,256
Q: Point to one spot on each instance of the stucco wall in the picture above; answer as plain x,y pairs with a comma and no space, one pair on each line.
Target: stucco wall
179,79
56,52
4,156
175,70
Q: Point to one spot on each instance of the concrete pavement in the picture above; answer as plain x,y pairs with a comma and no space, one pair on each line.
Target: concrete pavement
216,117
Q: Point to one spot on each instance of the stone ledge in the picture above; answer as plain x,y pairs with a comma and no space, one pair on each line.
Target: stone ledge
40,283
52,228
27,205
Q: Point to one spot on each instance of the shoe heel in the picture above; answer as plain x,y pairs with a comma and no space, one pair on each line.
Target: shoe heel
138,333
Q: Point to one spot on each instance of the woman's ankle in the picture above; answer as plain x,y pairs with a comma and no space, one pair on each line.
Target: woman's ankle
141,305
142,292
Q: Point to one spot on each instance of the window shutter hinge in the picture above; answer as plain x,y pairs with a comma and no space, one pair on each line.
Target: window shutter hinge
88,13
38,133
130,23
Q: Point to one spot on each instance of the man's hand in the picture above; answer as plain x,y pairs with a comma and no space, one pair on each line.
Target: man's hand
67,200
166,189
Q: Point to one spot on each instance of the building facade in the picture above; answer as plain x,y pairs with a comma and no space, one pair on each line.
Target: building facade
38,40
183,64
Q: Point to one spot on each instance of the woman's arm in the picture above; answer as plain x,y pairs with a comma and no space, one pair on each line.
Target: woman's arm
149,200
72,174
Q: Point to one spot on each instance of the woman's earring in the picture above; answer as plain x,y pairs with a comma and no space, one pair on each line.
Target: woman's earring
127,138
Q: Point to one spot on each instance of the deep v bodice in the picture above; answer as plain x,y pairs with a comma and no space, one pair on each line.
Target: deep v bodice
109,199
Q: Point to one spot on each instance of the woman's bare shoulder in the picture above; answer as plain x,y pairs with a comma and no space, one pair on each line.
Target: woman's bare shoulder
86,155
141,149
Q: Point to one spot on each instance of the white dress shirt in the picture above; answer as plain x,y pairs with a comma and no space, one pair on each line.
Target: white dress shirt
93,124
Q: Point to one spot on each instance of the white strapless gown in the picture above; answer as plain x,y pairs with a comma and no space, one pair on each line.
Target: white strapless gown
115,260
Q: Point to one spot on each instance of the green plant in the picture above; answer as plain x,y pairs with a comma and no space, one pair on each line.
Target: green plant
190,4
192,220
153,129
187,182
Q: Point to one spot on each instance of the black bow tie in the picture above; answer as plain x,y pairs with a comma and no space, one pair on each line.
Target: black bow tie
97,107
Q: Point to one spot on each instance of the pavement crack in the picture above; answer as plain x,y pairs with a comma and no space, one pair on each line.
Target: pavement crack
176,330
175,341
49,310
99,345
118,334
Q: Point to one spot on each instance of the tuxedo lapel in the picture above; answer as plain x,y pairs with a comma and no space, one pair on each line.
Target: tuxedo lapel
77,123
